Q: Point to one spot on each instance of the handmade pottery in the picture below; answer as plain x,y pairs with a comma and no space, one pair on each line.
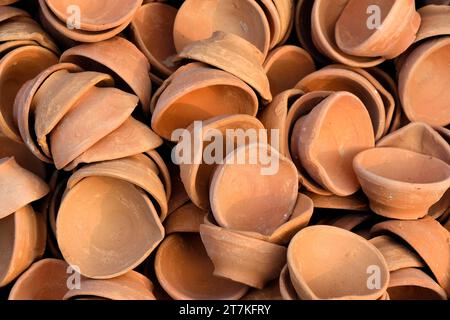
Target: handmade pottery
287,290
331,263
355,202
7,12
414,284
102,234
397,254
263,201
152,29
273,18
198,94
241,258
285,10
18,187
423,98
401,184
285,66
121,59
435,21
338,79
186,218
429,239
196,175
195,280
112,15
270,292
44,280
389,39
351,221
16,68
164,173
235,55
198,20
330,139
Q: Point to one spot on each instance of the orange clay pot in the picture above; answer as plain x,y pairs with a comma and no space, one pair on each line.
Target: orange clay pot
435,21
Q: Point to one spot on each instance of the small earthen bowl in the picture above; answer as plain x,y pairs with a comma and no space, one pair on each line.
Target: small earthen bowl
331,263
355,202
435,21
198,20
44,280
287,290
401,184
423,98
263,202
273,18
102,234
186,218
185,271
330,139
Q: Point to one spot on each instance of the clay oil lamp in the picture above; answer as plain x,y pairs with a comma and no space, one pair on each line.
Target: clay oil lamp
152,29
164,174
331,263
387,40
241,258
351,221
429,239
273,18
16,68
186,218
414,284
197,94
179,196
270,292
287,290
119,58
109,233
435,21
185,271
354,202
286,12
130,286
263,202
286,66
196,176
339,79
44,280
324,17
407,183
397,253
423,98
198,20
235,55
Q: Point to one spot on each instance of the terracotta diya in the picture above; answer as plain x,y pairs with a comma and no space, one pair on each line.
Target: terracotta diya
401,184
435,21
186,218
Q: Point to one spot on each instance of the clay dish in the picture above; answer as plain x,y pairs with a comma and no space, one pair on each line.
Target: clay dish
398,254
24,108
185,271
241,258
429,239
388,40
235,55
435,21
131,138
152,29
16,68
426,99
164,173
22,237
18,187
338,79
418,137
330,139
273,18
401,184
89,121
102,234
286,66
196,176
11,45
113,14
57,95
44,280
355,202
7,13
254,206
325,14
331,263
285,10
22,155
414,284
121,59
287,290
198,20
130,286
199,94
131,170
186,218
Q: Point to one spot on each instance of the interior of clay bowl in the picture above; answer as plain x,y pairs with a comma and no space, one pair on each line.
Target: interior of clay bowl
7,241
186,272
106,227
403,166
114,13
333,263
426,98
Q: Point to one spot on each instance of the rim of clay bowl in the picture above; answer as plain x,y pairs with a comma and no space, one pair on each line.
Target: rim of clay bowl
273,18
7,12
435,21
287,290
186,218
